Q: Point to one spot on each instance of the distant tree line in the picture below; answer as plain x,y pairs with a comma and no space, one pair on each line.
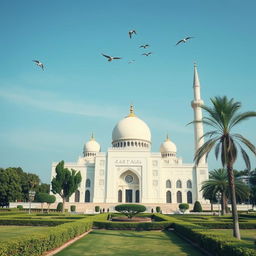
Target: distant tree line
15,185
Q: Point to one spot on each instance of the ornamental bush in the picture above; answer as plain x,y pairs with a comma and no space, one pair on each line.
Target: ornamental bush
72,208
158,209
197,207
183,207
20,207
59,207
97,208
130,210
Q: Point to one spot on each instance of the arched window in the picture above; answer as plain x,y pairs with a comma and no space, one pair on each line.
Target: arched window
124,144
137,196
189,184
132,143
179,197
87,196
128,143
88,183
136,143
120,196
178,184
168,197
189,197
168,184
77,196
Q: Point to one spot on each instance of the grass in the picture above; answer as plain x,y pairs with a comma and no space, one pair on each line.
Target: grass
8,233
124,243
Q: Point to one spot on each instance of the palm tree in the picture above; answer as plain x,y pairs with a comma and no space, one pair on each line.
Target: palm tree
218,181
223,117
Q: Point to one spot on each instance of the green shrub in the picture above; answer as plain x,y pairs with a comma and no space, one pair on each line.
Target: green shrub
97,208
59,207
20,207
197,207
72,208
183,207
130,210
158,209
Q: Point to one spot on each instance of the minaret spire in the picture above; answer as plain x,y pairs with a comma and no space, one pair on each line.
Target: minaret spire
196,105
131,111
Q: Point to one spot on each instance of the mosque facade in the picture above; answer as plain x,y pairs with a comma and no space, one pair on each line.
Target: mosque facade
130,173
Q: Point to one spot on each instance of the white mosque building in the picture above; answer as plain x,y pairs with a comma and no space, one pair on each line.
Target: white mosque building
130,173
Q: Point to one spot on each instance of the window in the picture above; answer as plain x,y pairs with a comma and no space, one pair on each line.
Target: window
137,196
88,183
178,184
77,196
87,196
120,196
168,184
189,184
179,197
189,197
168,197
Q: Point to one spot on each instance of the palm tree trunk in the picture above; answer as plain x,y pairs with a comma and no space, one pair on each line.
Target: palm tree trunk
64,200
223,206
211,205
225,203
236,231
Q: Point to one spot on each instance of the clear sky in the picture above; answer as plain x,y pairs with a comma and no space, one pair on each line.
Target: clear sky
48,115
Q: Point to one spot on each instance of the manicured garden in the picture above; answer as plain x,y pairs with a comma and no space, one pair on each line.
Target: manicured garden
34,234
113,242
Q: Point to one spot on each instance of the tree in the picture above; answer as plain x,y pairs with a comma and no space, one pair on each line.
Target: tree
50,200
183,207
252,185
10,189
223,116
41,198
130,210
43,187
66,182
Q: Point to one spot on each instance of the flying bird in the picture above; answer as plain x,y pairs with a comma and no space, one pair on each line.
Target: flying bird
146,53
144,46
184,40
132,32
110,58
39,64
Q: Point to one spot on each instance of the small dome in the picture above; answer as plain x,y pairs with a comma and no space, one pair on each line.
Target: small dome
131,128
168,147
92,146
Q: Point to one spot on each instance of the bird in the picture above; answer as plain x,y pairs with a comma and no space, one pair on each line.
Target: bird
144,46
146,53
131,61
39,64
110,58
184,40
132,32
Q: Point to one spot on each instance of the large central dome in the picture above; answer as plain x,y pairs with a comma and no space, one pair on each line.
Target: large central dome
131,130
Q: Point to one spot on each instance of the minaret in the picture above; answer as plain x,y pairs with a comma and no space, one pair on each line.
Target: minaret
196,103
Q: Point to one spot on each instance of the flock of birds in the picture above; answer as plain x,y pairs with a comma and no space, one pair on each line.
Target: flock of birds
131,33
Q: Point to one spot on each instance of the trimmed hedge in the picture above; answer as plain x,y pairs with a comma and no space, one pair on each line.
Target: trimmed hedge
33,222
132,225
38,243
214,242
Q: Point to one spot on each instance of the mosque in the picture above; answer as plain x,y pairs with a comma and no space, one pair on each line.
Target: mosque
130,173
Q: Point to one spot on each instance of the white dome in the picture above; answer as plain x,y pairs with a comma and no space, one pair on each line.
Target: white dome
168,146
131,128
92,146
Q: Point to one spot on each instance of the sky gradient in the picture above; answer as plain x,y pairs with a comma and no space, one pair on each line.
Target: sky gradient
48,115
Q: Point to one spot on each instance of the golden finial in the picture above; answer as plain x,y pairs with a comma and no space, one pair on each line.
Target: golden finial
167,137
92,136
131,111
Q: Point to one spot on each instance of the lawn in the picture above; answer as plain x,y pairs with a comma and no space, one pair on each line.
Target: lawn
8,233
125,243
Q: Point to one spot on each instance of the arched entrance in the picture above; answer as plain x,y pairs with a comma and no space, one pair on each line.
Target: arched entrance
128,188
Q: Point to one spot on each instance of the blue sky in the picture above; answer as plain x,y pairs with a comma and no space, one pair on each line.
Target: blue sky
48,115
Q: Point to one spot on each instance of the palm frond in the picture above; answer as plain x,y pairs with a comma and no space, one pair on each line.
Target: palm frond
246,142
204,149
241,117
